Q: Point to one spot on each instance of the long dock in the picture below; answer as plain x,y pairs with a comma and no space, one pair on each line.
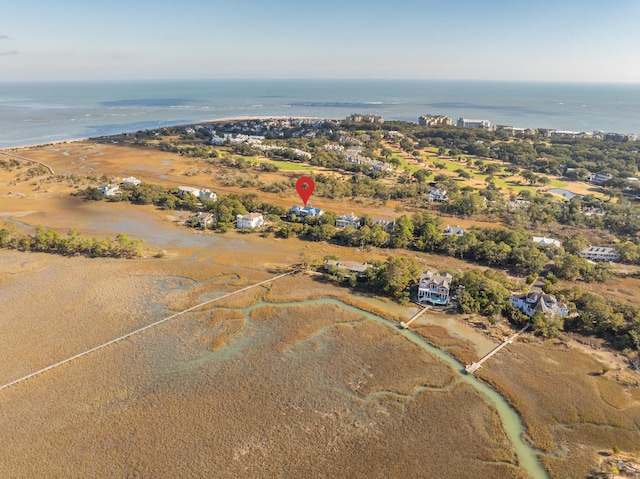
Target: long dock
139,330
473,367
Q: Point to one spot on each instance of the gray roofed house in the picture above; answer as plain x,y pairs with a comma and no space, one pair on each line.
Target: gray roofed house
545,303
454,231
351,266
348,220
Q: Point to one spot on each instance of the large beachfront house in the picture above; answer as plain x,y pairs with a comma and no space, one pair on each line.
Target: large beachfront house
434,288
545,303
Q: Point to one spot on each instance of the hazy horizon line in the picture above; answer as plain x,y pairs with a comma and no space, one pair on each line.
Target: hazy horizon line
302,79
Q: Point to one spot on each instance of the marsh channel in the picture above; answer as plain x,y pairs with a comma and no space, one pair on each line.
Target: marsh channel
511,420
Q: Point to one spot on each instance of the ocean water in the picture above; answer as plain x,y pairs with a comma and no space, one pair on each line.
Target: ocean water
44,112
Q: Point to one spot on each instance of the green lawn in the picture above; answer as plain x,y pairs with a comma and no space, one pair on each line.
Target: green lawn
404,164
283,165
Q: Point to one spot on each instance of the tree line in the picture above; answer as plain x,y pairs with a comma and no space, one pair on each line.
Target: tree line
49,241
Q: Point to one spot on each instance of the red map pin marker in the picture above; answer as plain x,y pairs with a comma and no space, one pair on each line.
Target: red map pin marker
305,187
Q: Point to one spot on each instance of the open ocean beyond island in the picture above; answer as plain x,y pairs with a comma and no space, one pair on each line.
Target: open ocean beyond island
44,112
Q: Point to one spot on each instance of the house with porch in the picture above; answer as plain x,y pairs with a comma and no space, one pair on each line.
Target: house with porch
600,253
434,288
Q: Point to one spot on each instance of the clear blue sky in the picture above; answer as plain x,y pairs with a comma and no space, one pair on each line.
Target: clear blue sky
570,40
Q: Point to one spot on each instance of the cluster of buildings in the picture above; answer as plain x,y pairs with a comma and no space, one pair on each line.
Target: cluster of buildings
354,155
434,120
112,189
356,117
437,120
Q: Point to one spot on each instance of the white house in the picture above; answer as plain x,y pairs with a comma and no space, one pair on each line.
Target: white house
208,195
250,220
543,241
434,288
437,194
108,189
348,220
131,180
454,231
600,253
182,190
545,303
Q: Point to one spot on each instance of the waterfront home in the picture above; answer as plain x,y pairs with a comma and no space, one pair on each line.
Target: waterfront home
304,211
434,288
454,231
250,220
543,241
545,303
109,189
350,266
131,180
348,220
437,194
205,219
600,253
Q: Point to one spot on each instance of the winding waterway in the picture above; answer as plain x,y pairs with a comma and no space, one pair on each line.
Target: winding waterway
510,419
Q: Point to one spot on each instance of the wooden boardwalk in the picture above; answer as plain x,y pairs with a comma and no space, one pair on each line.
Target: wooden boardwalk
473,367
414,317
139,330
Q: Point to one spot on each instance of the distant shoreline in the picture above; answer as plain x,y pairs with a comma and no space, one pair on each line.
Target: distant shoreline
208,121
